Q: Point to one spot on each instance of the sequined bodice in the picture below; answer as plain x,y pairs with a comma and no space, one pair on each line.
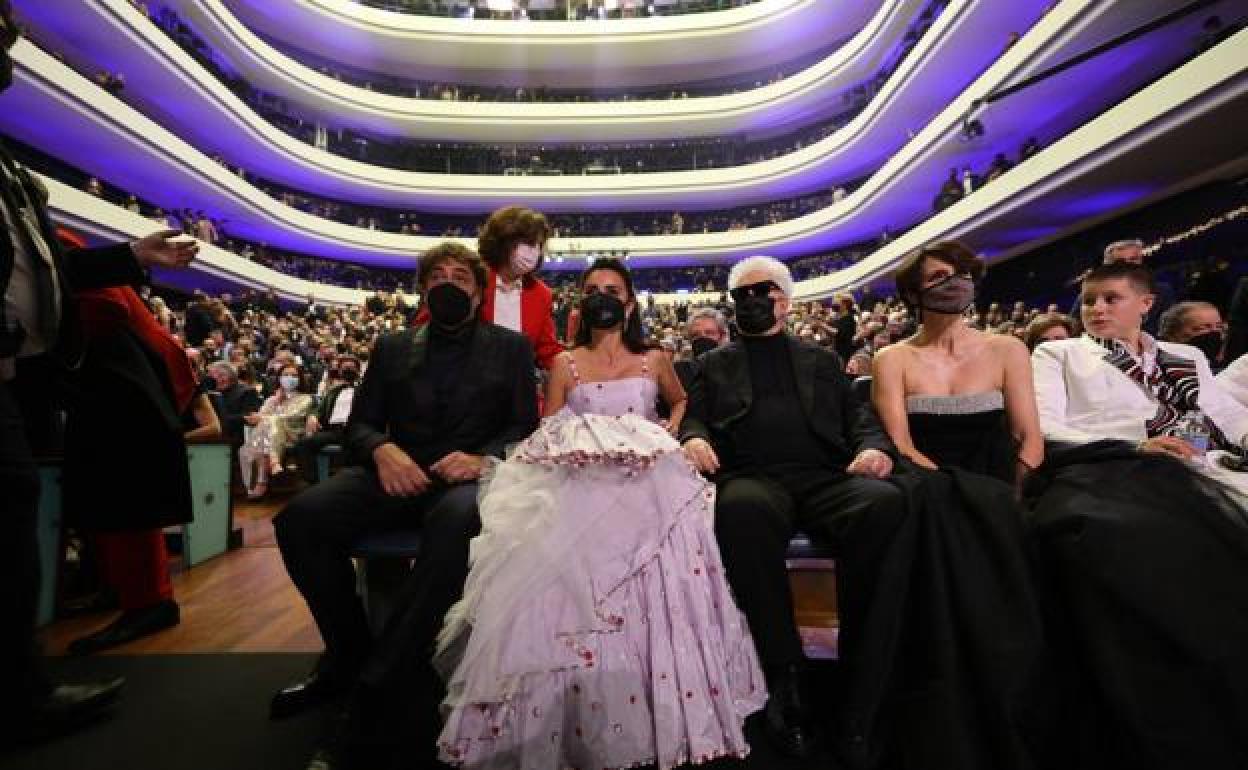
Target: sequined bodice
615,398
967,431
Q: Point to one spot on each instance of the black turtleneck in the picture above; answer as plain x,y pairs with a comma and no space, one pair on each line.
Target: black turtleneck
775,433
445,358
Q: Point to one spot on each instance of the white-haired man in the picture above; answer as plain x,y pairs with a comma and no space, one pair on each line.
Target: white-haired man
774,420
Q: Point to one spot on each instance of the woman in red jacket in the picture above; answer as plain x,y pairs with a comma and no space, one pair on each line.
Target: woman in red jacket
513,243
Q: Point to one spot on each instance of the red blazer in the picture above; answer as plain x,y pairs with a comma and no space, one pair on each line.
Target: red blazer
537,319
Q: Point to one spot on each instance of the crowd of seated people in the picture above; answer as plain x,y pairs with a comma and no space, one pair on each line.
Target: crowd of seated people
958,185
858,94
523,10
496,159
989,428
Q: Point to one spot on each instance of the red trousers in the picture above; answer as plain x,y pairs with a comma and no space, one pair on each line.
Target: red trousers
136,566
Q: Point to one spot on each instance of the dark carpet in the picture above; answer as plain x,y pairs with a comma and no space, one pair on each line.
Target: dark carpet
210,712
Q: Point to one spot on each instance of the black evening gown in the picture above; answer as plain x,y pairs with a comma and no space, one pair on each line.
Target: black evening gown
1142,567
970,653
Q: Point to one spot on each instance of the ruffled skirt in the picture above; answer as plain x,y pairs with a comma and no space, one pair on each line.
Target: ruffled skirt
597,628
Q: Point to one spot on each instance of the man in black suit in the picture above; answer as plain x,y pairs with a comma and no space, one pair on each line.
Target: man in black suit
40,344
329,424
774,420
434,403
237,400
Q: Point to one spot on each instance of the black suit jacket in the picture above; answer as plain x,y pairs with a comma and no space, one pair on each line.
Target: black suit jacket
721,394
237,401
76,269
495,405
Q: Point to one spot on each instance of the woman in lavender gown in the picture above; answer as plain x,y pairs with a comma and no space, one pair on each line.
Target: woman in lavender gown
597,628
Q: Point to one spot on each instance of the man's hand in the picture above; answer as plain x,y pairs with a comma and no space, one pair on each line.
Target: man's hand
871,463
1169,445
157,250
400,476
252,419
312,425
459,466
700,453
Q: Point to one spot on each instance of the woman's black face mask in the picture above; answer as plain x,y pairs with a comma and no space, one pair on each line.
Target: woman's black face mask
602,311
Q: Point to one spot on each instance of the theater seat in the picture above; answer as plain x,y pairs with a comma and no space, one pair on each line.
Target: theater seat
801,547
323,459
383,560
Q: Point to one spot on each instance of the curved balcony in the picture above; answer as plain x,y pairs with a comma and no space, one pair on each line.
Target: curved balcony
117,143
1166,138
182,95
616,53
802,98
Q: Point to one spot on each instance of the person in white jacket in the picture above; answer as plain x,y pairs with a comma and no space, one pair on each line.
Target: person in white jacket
1118,382
1144,556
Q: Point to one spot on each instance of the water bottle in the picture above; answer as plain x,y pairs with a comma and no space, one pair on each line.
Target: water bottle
1193,429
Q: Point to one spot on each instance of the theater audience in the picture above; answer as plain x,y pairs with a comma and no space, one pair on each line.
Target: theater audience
1132,518
1198,324
435,402
571,590
329,424
774,422
1049,327
238,401
705,330
274,428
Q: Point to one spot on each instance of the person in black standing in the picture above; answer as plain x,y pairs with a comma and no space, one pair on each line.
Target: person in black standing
435,402
775,423
40,344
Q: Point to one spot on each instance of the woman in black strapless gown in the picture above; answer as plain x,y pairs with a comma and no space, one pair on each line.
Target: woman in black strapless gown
970,672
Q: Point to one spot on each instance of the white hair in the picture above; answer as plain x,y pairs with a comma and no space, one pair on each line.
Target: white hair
1130,243
775,269
711,313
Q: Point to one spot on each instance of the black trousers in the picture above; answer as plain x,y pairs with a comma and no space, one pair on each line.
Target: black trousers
756,516
315,533
26,426
307,448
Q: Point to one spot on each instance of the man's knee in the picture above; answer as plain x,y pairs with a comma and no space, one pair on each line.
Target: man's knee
307,515
745,509
454,516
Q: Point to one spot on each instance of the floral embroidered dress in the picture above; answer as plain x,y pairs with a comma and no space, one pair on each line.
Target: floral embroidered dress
597,628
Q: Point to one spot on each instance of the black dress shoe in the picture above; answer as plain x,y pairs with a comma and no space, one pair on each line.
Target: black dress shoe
100,601
318,688
785,715
68,707
130,625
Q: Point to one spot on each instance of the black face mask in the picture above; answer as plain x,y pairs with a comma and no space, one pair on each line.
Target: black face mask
1209,343
756,310
602,311
449,305
702,345
349,376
